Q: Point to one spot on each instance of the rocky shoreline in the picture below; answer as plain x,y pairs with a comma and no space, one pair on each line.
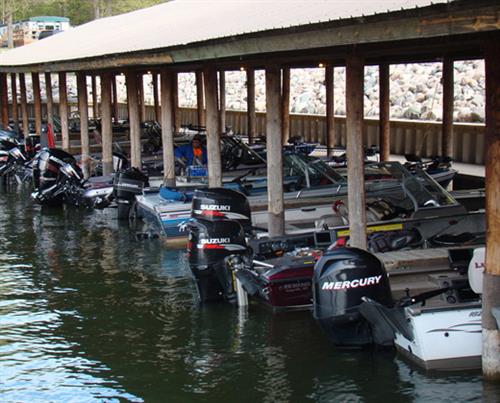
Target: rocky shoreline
416,91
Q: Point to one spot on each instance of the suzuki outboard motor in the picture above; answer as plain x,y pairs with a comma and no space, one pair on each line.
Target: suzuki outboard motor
217,204
126,185
217,230
342,277
209,243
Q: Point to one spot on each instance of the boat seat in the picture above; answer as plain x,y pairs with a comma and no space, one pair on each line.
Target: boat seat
328,220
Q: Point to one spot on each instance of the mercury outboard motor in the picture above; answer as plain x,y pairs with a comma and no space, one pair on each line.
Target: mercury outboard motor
342,277
216,231
127,184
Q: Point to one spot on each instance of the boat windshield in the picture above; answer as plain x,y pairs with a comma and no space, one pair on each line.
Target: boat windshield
419,187
235,146
315,171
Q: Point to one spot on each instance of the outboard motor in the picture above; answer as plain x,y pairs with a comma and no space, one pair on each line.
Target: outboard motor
126,185
47,166
217,204
342,277
209,243
216,231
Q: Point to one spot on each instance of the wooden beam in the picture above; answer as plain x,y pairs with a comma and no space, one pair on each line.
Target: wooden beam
385,112
222,101
50,101
83,108
330,109
285,105
354,150
24,104
156,100
95,102
134,119
491,279
140,94
115,98
274,130
63,110
4,101
107,124
15,111
213,134
251,115
448,82
167,79
200,98
37,104
175,102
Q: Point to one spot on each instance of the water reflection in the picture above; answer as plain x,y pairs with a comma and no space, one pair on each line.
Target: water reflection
87,312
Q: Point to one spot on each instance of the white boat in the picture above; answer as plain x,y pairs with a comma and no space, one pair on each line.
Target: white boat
447,331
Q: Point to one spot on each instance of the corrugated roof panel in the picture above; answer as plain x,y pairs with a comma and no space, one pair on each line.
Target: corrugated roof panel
181,22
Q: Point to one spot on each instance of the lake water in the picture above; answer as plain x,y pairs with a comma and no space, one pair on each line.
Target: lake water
89,313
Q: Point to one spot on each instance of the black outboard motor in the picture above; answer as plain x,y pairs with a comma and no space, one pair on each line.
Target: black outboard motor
216,231
127,184
342,277
209,243
47,166
10,155
217,204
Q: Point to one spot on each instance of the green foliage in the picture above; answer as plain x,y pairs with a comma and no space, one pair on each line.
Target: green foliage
78,11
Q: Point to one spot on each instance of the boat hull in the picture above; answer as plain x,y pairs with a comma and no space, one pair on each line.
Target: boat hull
446,338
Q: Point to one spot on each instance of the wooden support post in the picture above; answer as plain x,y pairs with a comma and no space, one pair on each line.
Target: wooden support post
15,112
330,109
199,98
107,124
83,108
63,110
222,101
37,101
115,98
491,279
4,101
24,104
354,150
447,134
213,134
385,112
134,119
175,102
274,130
251,105
95,104
167,79
285,105
156,100
50,101
140,94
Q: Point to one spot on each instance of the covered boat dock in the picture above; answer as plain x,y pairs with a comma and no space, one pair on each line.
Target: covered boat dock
212,37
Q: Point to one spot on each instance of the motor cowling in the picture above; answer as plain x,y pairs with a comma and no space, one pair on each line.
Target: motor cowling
342,277
217,204
128,183
209,243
